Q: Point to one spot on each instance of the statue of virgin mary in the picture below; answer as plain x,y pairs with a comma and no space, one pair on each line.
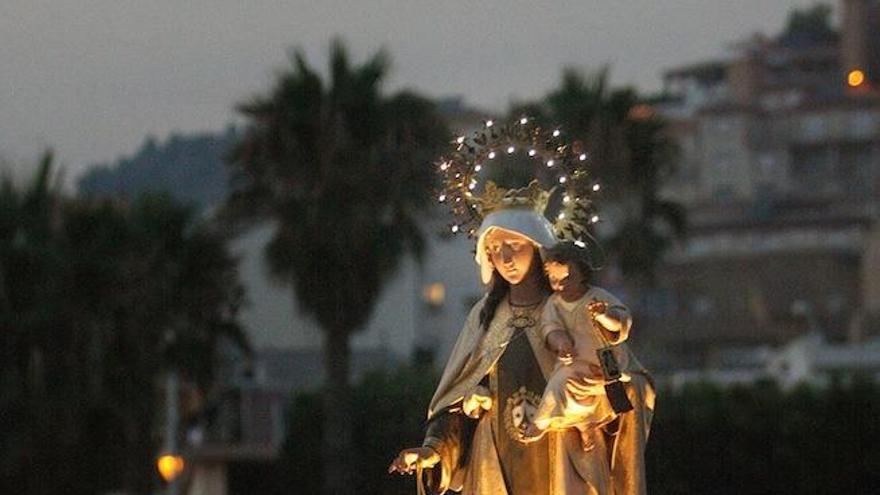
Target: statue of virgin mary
497,371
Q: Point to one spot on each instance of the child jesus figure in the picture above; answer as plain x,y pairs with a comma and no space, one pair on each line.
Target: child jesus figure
585,326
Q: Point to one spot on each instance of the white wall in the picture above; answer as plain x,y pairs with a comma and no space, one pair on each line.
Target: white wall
401,319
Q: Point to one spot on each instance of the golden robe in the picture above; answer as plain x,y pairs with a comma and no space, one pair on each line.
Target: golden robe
470,461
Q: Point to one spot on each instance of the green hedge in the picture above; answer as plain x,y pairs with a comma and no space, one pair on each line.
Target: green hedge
705,439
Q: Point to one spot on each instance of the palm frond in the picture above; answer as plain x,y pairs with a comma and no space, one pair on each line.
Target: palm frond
340,170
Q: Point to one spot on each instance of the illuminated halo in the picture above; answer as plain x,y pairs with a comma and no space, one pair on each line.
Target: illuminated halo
568,163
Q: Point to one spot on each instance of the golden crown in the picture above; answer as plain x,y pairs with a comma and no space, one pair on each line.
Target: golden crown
496,198
547,152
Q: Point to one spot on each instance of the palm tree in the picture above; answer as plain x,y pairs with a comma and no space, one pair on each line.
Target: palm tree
647,232
342,170
631,154
27,263
97,285
180,296
594,114
155,289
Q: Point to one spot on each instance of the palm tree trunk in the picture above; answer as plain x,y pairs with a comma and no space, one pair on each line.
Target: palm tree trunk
337,443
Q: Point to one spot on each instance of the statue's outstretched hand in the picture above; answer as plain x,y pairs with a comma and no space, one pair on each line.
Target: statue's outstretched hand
408,459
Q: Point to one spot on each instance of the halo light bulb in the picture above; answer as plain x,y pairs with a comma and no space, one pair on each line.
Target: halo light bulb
582,157
491,155
455,229
442,198
594,218
460,139
489,123
477,168
532,152
550,163
596,187
556,133
562,180
523,120
510,149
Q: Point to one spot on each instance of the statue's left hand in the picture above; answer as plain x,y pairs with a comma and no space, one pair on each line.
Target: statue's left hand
408,459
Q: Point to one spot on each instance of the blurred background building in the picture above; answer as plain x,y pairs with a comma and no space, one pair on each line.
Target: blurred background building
780,173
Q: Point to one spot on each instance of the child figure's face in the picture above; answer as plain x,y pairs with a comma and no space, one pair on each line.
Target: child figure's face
565,278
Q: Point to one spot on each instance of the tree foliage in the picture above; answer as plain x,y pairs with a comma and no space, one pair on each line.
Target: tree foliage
705,438
342,170
759,439
631,153
389,413
96,299
810,25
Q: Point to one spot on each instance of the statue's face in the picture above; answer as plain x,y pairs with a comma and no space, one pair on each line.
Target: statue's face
510,253
564,277
557,274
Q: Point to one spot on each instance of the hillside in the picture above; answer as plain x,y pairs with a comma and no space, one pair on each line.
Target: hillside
191,168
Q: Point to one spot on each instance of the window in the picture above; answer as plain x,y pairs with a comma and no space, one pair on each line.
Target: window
854,169
811,167
723,192
766,164
864,124
814,127
702,305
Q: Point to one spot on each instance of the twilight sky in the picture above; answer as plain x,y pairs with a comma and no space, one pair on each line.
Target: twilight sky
92,78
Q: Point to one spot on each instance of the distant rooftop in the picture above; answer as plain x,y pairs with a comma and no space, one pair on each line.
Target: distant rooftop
710,71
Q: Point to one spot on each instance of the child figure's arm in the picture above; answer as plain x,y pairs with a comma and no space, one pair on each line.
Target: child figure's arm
556,338
613,316
560,342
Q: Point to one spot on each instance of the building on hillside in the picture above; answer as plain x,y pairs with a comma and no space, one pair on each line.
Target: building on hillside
780,174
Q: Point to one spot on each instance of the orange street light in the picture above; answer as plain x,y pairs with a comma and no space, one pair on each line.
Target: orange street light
642,111
434,294
855,78
170,466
